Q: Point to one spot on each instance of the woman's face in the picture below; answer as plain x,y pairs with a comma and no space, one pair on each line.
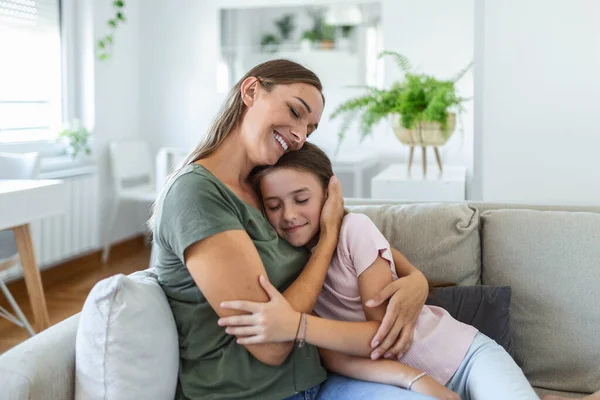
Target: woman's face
293,201
278,121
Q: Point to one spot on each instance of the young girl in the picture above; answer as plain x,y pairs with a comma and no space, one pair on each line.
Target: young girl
447,357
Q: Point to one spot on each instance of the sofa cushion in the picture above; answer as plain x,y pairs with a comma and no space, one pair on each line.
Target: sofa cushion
487,308
127,345
442,240
551,260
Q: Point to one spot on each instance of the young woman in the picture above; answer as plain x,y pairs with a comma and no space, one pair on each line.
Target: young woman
447,357
213,242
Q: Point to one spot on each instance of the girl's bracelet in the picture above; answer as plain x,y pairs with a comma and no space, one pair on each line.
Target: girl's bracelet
416,378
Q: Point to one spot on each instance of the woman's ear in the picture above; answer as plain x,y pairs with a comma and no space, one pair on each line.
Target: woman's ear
249,90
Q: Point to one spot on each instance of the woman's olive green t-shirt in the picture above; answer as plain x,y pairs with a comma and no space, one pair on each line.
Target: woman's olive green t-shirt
194,206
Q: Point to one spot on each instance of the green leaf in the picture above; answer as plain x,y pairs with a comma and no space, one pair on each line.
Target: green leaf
462,72
119,3
109,39
121,16
101,44
104,56
402,62
112,23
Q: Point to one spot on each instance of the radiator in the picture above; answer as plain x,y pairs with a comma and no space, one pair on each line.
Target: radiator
61,237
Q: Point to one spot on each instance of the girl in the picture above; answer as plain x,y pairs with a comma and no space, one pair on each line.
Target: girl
213,242
447,357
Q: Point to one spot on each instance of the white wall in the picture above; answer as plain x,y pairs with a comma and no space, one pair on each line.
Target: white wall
116,99
180,49
537,117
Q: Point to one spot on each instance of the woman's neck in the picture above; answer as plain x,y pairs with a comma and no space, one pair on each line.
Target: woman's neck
230,162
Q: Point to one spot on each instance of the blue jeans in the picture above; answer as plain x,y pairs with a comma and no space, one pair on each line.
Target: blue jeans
338,387
488,372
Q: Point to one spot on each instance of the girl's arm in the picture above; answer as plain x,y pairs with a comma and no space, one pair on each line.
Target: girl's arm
384,371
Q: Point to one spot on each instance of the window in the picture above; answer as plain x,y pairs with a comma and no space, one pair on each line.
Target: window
30,70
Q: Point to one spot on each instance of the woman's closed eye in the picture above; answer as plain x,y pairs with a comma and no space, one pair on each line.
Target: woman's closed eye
302,201
294,113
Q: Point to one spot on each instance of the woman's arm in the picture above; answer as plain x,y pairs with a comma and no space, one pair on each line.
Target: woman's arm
302,294
407,297
239,266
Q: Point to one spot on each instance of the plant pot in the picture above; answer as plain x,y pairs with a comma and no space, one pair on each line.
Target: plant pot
327,44
425,134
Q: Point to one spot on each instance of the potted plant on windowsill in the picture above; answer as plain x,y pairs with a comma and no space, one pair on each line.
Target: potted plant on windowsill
76,139
422,109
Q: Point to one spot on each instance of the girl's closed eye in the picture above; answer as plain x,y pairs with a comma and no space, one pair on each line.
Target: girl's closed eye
272,206
302,201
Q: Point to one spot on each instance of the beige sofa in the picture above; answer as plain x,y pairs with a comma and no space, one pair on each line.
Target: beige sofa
550,256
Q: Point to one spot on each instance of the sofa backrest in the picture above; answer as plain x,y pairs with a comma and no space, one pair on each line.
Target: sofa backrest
549,255
442,240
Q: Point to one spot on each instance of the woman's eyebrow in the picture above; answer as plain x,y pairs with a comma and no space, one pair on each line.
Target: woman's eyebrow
305,104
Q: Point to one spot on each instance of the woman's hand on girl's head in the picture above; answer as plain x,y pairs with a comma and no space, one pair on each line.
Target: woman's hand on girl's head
333,210
274,321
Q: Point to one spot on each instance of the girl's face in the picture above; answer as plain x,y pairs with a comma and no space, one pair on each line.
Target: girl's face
278,121
293,201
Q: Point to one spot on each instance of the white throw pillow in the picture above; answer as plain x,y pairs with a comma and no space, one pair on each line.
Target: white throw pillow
127,345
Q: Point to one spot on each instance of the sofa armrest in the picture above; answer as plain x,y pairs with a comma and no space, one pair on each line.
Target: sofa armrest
42,367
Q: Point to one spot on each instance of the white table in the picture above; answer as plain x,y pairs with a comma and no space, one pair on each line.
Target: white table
355,163
395,182
21,202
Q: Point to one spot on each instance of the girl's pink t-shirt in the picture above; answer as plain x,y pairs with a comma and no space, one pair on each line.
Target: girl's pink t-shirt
440,342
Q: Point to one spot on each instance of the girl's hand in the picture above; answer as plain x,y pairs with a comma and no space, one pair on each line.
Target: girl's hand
274,321
429,386
406,300
333,210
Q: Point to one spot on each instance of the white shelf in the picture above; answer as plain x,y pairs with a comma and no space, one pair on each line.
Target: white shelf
396,183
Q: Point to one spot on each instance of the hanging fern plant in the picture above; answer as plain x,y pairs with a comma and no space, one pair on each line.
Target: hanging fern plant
105,45
418,98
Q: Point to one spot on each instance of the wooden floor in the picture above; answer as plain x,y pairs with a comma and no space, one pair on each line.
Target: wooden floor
67,286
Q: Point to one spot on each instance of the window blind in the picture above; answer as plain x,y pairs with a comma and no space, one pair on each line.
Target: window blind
35,14
30,69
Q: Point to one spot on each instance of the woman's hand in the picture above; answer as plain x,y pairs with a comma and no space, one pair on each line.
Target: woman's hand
429,386
333,210
274,321
406,299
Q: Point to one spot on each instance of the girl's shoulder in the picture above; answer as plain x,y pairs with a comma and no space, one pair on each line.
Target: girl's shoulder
354,222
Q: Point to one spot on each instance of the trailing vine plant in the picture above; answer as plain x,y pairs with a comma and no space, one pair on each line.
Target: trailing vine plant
105,44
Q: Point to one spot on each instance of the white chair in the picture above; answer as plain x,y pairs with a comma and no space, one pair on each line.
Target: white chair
14,166
132,168
167,159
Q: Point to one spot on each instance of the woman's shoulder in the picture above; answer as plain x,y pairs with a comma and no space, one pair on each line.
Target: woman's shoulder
192,179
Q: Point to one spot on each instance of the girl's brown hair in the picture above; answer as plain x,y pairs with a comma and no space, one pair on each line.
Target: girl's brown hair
310,158
269,74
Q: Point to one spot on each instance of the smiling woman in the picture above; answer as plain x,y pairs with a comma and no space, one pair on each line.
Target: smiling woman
213,241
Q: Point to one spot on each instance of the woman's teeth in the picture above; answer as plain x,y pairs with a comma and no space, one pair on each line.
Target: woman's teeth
281,141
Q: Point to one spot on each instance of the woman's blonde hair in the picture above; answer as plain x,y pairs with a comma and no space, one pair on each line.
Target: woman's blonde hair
269,74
